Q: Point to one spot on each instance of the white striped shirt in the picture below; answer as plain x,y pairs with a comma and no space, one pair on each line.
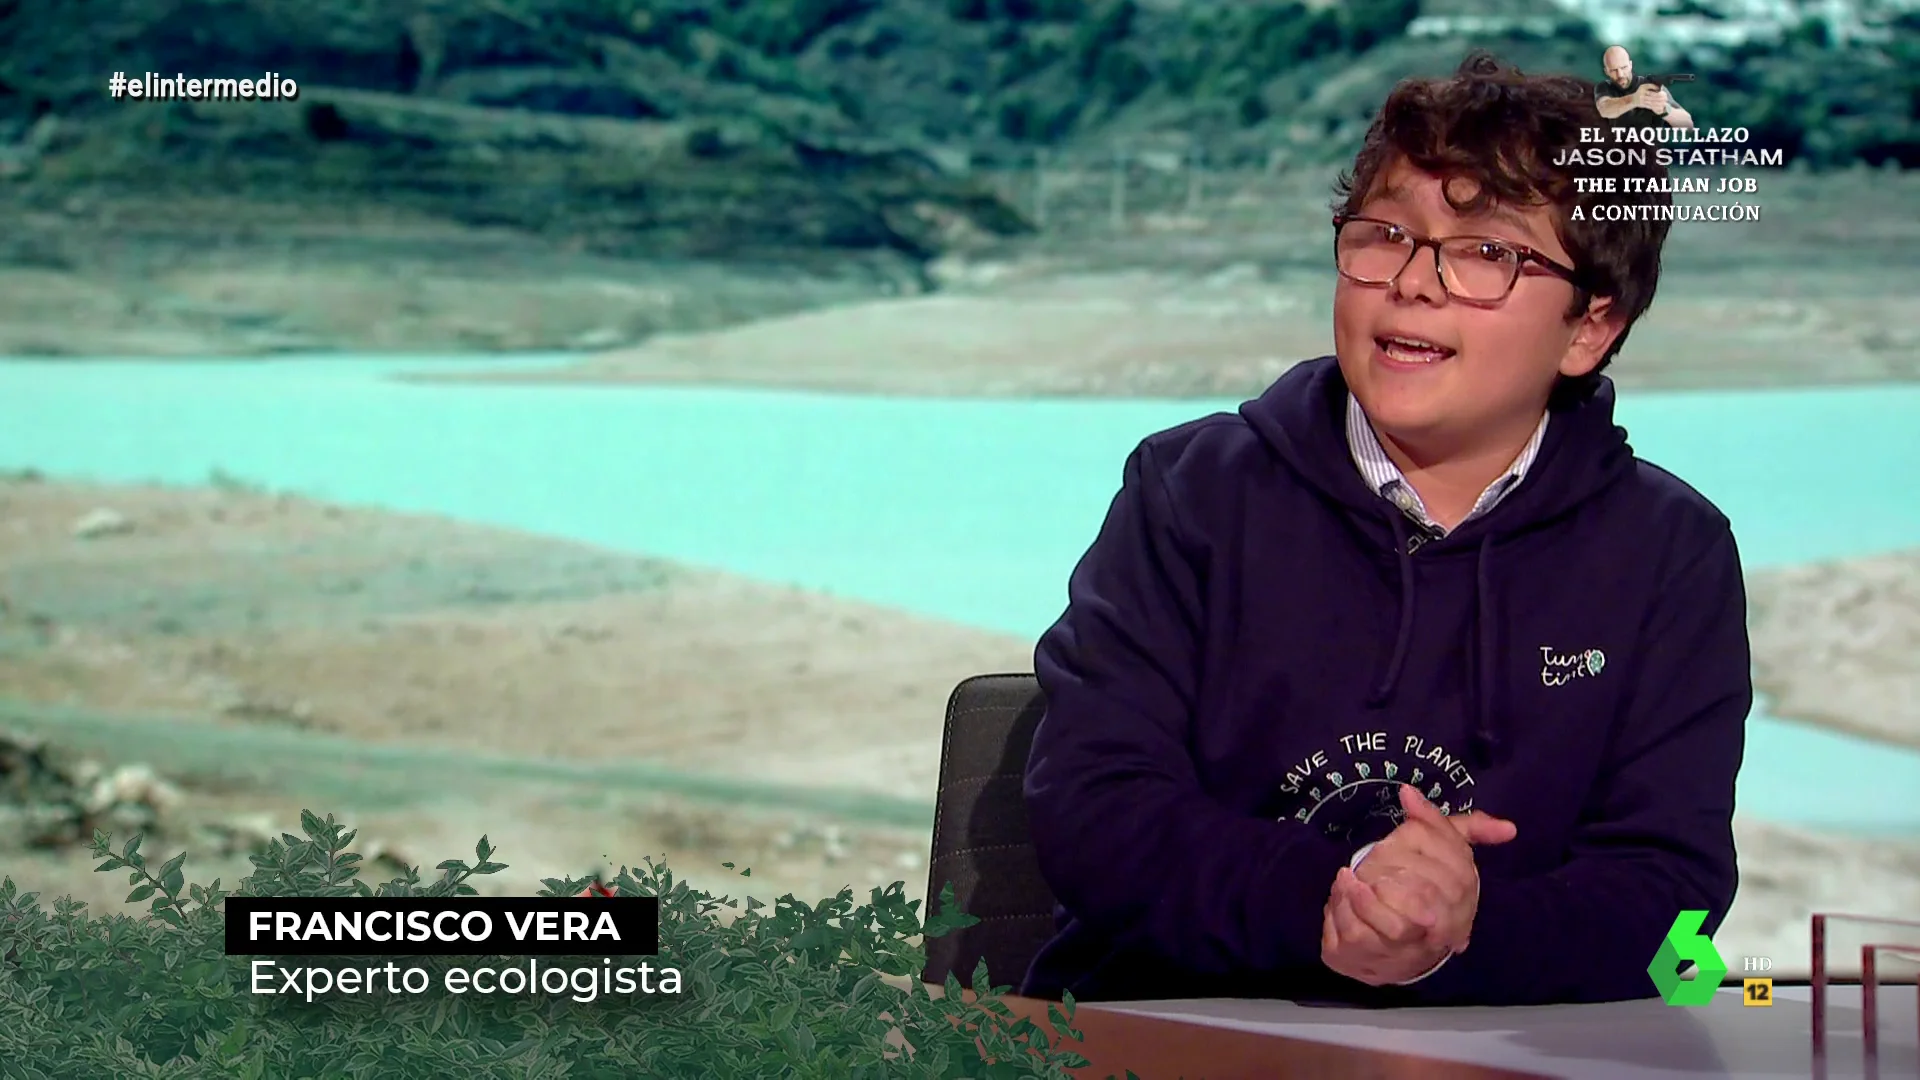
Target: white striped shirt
1385,478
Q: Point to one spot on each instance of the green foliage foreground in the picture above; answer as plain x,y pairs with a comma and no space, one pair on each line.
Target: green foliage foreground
791,990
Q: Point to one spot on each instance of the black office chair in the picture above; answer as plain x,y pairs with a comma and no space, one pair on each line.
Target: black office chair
980,839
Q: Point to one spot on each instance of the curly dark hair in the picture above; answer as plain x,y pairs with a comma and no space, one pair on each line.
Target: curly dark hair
1490,124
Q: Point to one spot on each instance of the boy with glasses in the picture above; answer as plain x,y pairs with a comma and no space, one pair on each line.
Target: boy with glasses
1411,653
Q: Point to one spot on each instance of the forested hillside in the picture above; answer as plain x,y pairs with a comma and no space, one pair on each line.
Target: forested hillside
706,126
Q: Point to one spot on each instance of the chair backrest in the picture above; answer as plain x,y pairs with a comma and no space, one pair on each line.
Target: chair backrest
980,838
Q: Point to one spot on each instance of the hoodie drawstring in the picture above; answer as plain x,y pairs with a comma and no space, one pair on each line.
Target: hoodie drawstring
1485,739
1482,647
1383,691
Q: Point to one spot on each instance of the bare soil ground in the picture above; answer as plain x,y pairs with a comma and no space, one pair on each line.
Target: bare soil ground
1838,644
224,277
1208,300
1221,303
586,709
267,654
250,609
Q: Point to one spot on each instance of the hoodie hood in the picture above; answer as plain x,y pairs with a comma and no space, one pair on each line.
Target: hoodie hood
1302,418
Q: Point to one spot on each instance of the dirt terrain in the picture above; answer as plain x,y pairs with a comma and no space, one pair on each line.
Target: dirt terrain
1836,644
1219,303
1143,334
249,609
120,276
433,680
586,709
1205,302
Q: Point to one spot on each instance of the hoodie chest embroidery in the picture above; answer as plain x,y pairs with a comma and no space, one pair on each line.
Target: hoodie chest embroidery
1558,668
1350,788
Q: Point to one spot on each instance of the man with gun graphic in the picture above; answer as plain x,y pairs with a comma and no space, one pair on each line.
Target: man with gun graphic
1642,101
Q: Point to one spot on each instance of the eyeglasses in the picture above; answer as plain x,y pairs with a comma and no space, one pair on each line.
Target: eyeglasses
1478,269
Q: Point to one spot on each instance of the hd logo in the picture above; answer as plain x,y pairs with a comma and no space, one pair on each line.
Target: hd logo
1685,943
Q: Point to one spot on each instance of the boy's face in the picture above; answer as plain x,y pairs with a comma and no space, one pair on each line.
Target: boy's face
1494,364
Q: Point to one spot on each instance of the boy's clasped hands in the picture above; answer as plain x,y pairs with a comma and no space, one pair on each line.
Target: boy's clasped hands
1411,903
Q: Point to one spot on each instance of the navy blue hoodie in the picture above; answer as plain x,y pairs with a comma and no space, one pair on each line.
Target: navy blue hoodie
1258,649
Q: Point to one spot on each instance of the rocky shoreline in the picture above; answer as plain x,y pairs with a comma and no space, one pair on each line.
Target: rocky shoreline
1838,644
1207,305
1229,334
101,276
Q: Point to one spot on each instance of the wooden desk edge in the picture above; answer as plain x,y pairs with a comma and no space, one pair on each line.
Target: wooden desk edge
1157,1048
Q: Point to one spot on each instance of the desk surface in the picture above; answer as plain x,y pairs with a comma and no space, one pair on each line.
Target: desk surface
1635,1040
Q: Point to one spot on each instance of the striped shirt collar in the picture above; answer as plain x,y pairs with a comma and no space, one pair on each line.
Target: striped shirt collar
1386,479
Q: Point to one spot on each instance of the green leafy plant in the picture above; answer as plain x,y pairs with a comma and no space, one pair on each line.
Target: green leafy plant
788,989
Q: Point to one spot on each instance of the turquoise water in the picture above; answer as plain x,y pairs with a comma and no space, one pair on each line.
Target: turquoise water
970,510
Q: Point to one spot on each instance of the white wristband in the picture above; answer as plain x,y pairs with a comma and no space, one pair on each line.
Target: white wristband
1429,971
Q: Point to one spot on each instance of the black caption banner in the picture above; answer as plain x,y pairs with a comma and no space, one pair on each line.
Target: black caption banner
442,926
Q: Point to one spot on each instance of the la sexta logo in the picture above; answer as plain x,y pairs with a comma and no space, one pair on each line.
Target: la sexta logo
1685,943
